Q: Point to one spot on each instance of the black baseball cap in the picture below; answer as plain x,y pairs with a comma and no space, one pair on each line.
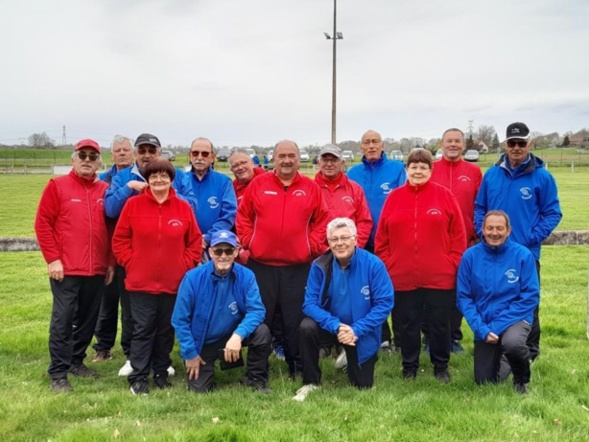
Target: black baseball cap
517,130
147,139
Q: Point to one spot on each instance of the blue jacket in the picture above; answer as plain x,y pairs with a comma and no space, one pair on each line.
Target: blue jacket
497,287
194,303
371,297
108,175
528,195
118,192
378,180
217,202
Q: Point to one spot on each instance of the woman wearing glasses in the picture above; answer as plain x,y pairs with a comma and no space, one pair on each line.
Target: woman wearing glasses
157,240
421,238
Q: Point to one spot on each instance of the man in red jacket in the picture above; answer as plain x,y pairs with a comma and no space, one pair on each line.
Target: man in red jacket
281,220
72,234
463,179
244,170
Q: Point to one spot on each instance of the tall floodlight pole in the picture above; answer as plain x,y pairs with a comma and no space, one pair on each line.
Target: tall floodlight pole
336,36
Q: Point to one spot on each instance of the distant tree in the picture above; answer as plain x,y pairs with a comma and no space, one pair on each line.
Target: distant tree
495,143
469,143
40,140
485,134
566,142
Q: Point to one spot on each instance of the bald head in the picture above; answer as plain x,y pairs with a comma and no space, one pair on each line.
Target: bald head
286,160
372,145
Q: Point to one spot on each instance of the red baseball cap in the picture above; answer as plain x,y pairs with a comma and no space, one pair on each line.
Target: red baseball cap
88,143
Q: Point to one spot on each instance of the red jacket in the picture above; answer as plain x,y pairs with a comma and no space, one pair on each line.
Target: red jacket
421,237
156,243
240,187
71,225
345,198
463,179
282,227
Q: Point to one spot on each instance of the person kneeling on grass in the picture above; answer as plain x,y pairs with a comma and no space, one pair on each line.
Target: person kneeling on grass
219,310
349,295
497,292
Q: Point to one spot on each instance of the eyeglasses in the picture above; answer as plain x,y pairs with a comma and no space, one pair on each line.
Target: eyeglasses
344,239
512,143
90,155
238,165
219,252
159,176
332,160
143,150
196,153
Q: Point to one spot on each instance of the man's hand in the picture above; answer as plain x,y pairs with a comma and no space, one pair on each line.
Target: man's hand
492,338
137,186
232,348
55,270
346,335
193,367
110,273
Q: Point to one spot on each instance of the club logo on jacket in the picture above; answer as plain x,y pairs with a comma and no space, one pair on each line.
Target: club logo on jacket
299,192
270,192
213,203
463,178
175,222
348,199
526,193
434,212
233,308
366,292
512,277
386,188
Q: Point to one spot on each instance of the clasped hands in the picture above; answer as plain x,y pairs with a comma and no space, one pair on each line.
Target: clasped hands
346,336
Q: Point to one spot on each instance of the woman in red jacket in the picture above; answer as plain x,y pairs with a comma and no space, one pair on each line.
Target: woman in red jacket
421,238
157,240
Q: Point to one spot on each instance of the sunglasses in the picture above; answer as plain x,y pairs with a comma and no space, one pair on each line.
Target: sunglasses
143,150
228,251
91,156
512,143
196,153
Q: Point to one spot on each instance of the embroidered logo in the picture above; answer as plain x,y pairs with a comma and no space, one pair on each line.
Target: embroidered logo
526,193
512,277
348,199
463,178
270,192
76,200
299,192
213,203
434,211
386,188
175,223
366,292
233,308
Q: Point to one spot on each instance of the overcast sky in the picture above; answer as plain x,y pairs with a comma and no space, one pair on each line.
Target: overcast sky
245,72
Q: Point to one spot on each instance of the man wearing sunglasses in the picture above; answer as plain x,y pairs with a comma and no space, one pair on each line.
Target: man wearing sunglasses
71,231
214,192
521,186
218,311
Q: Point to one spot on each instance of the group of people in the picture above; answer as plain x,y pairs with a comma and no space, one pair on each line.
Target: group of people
313,263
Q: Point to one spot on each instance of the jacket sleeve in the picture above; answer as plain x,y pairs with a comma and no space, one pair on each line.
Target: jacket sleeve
312,306
121,240
116,195
528,299
383,300
255,312
550,213
47,214
363,217
193,241
465,299
480,208
184,189
226,217
182,318
318,224
457,231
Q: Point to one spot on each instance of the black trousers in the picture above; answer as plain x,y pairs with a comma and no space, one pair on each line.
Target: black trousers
455,326
312,338
79,297
512,344
259,345
153,338
284,288
534,336
434,306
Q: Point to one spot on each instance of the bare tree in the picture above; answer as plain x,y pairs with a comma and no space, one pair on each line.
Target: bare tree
41,140
485,134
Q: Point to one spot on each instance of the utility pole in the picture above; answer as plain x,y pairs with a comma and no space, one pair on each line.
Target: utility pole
63,137
336,36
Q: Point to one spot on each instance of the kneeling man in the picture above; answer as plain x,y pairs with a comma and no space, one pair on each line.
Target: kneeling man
497,292
219,310
349,295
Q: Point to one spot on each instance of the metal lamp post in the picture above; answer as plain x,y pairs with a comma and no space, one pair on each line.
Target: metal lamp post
336,36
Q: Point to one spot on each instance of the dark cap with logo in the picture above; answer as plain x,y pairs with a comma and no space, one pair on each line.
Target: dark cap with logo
147,139
517,131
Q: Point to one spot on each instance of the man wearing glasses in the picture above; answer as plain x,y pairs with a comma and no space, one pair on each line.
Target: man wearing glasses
244,170
218,311
71,231
349,295
217,205
522,187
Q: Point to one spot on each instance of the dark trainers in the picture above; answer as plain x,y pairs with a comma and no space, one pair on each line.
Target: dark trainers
258,385
161,382
60,385
140,388
102,355
521,388
443,376
456,347
409,375
82,371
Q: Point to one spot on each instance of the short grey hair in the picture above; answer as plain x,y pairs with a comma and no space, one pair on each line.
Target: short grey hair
338,223
239,150
121,139
287,141
203,139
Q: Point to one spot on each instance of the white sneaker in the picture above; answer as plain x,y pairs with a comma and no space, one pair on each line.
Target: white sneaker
341,361
171,371
304,391
126,369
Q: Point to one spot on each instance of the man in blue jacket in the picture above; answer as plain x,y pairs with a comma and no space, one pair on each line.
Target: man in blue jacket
520,185
497,292
349,295
218,310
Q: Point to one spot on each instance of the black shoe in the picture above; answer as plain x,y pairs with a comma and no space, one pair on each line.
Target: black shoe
82,371
443,376
520,388
161,382
140,388
102,355
456,347
260,387
409,375
60,385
